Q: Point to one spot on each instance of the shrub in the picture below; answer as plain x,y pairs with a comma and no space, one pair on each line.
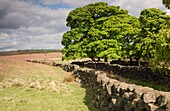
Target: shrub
69,78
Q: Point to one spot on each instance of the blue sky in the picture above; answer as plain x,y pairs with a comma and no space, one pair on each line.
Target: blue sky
40,24
51,4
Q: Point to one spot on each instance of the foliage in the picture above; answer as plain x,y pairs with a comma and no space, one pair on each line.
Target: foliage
151,22
105,48
99,30
162,47
123,28
166,3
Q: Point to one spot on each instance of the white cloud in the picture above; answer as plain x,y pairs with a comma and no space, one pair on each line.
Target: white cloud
26,23
167,11
135,6
3,36
74,3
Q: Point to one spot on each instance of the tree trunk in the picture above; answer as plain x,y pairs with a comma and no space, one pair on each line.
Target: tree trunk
98,59
137,61
119,61
92,59
105,59
131,61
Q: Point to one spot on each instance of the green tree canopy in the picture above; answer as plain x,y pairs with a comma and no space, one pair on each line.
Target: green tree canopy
99,25
166,3
151,22
161,57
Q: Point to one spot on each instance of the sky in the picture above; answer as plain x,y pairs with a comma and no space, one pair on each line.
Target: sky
40,24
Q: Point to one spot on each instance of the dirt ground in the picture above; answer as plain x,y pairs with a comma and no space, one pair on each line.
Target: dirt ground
16,64
38,56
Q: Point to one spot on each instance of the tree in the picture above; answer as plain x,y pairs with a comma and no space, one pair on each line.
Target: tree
162,54
124,28
83,22
151,22
166,3
105,48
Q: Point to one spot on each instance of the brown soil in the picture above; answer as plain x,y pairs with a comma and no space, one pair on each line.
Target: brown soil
38,56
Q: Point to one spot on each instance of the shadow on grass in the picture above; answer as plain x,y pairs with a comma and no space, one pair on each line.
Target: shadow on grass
89,98
139,82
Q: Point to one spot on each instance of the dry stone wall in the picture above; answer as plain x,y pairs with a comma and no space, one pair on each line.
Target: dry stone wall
112,95
133,72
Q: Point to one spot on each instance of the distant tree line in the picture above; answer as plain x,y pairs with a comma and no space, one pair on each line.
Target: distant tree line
100,31
39,50
28,51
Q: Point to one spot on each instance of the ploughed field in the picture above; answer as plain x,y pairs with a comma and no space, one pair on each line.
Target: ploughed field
36,87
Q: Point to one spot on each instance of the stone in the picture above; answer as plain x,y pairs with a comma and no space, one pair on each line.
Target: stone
105,102
150,96
109,88
141,104
76,67
131,87
129,103
120,102
100,77
126,95
116,87
98,72
122,86
110,105
91,71
128,108
113,101
78,80
101,107
97,104
129,95
139,90
110,94
104,93
152,107
167,97
106,109
162,100
105,81
134,102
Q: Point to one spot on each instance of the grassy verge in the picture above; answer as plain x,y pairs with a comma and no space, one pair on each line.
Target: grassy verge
157,87
36,87
68,97
138,82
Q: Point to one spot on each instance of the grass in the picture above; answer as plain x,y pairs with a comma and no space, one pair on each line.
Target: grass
20,99
157,87
70,96
61,62
138,82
